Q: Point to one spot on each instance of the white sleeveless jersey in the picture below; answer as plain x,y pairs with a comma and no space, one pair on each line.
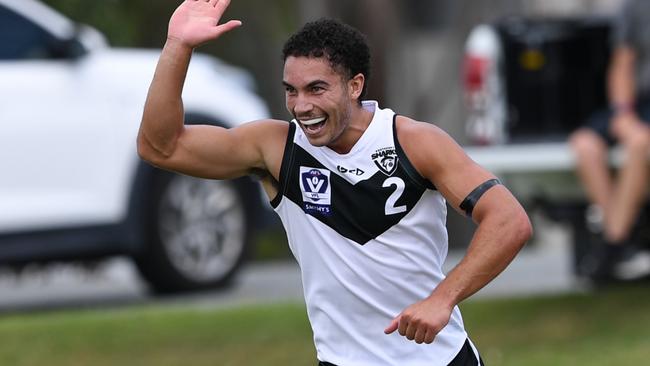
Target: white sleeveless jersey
369,234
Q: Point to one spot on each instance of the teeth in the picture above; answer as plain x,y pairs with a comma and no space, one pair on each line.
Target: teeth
313,121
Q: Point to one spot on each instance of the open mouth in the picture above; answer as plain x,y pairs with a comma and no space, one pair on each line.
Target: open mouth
315,124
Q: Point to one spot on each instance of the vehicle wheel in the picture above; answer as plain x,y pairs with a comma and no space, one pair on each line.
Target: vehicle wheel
197,234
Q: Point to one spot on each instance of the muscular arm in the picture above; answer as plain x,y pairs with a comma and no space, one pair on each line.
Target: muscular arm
162,119
503,227
204,151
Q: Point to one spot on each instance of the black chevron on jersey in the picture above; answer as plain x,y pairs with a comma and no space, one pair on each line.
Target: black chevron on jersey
357,211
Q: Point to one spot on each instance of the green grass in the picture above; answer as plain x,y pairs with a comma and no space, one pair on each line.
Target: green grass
268,335
608,328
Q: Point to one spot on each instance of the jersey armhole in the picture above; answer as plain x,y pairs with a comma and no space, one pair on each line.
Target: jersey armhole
406,163
287,161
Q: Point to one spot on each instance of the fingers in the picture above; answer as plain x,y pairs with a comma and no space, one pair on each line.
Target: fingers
221,5
393,326
412,329
429,336
226,27
419,334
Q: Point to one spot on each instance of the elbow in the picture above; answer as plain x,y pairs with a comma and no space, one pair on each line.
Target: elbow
144,148
515,228
147,151
523,229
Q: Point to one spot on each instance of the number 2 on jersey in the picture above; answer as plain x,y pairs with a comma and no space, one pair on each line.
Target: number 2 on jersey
390,208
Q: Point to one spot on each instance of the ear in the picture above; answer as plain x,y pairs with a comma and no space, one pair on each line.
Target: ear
355,86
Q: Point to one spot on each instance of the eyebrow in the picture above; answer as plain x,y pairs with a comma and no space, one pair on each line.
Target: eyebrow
317,82
311,84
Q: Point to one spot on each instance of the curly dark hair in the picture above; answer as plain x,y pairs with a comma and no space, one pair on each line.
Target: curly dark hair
345,47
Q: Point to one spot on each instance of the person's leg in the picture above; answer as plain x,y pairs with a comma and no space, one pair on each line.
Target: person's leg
591,153
630,188
592,163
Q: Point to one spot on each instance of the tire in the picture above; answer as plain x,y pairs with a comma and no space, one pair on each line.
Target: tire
197,233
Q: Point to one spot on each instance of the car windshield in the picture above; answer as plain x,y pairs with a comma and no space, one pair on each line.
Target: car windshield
22,39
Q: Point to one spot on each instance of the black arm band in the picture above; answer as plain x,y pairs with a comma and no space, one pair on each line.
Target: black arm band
470,201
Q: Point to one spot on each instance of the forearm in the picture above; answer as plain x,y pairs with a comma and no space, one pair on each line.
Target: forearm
497,240
621,79
162,119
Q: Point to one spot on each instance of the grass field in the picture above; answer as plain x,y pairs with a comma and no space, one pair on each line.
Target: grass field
607,328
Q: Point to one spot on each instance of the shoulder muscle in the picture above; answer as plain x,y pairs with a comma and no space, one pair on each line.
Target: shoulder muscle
440,159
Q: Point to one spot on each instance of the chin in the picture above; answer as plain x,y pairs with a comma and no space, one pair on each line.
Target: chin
318,141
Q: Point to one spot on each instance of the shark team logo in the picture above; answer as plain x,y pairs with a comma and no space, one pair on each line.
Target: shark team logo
316,190
386,160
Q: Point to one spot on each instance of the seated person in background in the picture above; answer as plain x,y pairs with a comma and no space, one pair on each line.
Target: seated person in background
616,202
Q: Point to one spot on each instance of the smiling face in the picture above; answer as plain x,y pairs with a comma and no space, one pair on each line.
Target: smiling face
320,98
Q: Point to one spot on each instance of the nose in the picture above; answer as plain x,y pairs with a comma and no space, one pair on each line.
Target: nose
302,106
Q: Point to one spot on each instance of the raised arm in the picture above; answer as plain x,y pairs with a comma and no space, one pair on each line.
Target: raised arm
503,227
204,151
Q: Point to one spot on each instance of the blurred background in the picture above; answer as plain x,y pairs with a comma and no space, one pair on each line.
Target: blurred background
417,46
420,69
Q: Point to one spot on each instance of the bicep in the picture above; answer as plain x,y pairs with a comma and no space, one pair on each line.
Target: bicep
459,177
442,161
462,177
454,173
219,153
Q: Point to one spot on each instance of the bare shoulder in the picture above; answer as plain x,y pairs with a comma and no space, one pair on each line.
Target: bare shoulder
425,143
266,129
412,129
269,136
439,158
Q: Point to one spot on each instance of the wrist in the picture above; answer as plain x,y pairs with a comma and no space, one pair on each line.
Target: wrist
178,45
444,298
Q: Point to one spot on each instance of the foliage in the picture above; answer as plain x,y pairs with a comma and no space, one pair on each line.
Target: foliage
114,18
143,23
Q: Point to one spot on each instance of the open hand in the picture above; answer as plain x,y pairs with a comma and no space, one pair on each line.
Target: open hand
197,21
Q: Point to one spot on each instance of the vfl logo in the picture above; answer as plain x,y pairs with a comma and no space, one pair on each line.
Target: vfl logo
316,190
386,160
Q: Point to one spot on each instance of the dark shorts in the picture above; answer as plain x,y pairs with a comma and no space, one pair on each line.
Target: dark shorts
465,357
599,120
